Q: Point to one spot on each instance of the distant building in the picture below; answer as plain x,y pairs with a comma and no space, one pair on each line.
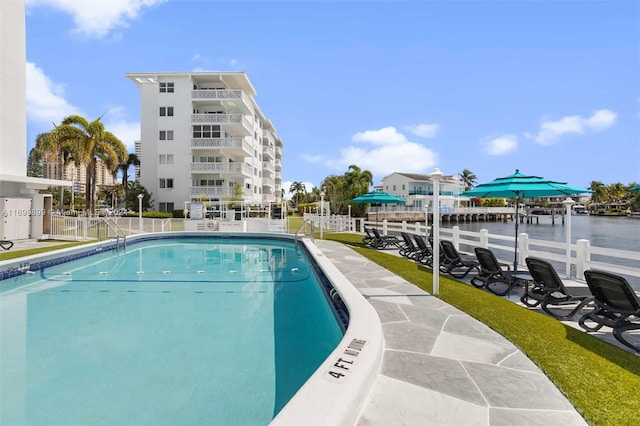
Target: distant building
53,169
204,138
417,189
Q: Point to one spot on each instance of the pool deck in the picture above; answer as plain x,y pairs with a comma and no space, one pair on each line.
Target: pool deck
441,366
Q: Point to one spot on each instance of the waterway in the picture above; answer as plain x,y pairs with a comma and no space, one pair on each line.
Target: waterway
622,233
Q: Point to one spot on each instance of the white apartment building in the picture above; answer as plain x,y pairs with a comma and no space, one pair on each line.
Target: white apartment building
204,138
417,189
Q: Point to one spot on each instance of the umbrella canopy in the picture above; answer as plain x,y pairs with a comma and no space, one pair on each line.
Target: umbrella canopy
635,188
377,198
520,186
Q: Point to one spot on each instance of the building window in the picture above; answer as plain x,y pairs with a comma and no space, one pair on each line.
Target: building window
166,158
403,186
394,187
166,183
166,111
206,131
166,87
166,207
166,135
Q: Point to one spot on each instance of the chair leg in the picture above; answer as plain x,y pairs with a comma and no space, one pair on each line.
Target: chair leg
618,334
583,302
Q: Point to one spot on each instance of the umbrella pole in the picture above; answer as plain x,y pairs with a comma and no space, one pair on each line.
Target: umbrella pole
517,218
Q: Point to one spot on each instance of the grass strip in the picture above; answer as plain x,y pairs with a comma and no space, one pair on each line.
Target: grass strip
14,254
600,379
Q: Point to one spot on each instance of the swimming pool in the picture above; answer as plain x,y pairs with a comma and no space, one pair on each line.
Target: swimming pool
167,331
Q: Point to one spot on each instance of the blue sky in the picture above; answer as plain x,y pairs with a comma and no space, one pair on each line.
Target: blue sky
551,88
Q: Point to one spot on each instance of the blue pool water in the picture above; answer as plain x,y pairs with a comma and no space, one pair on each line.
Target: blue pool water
178,331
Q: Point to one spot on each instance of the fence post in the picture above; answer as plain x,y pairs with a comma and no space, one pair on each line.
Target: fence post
523,248
583,257
384,226
456,237
484,238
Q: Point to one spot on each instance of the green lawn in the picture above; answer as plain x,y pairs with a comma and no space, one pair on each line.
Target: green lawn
601,380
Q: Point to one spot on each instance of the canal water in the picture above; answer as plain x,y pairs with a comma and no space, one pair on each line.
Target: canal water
622,233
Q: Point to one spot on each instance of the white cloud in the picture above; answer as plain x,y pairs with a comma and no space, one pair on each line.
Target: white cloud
501,145
424,130
46,106
389,151
309,158
128,132
552,130
45,99
96,18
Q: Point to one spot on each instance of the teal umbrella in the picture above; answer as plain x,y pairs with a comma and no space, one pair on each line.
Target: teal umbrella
635,188
377,198
520,186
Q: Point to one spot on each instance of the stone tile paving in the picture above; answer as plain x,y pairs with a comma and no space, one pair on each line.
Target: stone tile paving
442,367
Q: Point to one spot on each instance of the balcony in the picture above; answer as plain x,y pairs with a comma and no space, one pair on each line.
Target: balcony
212,191
268,166
269,151
426,192
233,146
236,123
229,97
268,182
222,168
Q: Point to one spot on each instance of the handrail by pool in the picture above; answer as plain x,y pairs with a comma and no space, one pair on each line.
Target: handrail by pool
302,226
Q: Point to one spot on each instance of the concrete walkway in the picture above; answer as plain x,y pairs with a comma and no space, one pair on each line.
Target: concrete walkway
441,366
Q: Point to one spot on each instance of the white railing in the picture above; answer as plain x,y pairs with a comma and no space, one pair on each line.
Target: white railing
222,143
239,168
84,229
584,256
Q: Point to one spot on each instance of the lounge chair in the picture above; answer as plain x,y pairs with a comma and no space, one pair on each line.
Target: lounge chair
454,261
368,237
491,274
549,291
424,254
6,244
408,249
615,304
382,242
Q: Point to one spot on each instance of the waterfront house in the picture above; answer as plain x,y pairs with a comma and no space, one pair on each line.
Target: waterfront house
417,190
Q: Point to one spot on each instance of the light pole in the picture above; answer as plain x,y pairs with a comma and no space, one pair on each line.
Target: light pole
349,218
140,197
568,202
435,175
321,213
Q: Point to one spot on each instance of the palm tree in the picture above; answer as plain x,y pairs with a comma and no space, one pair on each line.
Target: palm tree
598,192
131,160
298,189
45,144
358,181
334,186
468,178
87,141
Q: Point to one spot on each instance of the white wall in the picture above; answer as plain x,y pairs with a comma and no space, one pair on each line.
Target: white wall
13,89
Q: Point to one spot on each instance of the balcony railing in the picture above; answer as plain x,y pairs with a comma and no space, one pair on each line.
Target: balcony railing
268,166
222,95
269,151
268,182
212,191
222,168
229,119
427,192
236,144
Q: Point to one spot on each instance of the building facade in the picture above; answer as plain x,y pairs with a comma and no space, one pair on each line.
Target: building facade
53,169
417,190
204,138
